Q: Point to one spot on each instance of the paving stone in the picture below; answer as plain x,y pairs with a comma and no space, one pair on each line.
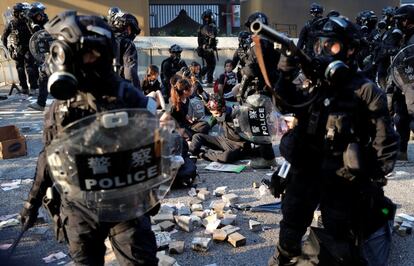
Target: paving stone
255,226
201,243
165,209
155,228
220,191
228,219
230,198
236,240
203,195
162,239
176,247
165,260
196,207
256,184
219,235
196,221
184,210
195,201
163,217
166,226
184,223
229,229
200,214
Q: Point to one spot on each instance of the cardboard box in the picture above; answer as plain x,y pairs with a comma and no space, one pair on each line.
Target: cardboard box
12,144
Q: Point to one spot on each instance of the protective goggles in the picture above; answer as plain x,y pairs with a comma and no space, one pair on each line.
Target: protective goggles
327,46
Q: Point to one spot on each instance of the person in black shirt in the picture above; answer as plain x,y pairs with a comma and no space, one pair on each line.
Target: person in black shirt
170,66
227,80
152,87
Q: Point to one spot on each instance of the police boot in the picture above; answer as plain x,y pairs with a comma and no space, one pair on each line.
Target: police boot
282,258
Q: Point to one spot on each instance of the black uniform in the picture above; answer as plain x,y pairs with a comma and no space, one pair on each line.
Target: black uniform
207,47
88,89
251,70
355,112
128,59
240,57
18,32
169,67
403,104
133,241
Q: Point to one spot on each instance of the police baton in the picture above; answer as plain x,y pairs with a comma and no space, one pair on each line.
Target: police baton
16,242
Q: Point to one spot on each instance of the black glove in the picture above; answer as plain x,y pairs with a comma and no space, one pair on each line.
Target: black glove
277,184
28,215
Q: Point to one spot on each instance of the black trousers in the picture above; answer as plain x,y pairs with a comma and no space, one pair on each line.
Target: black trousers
133,241
221,149
43,92
25,63
208,70
403,120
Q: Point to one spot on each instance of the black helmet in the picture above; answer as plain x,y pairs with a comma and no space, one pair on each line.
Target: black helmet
333,13
405,12
112,13
175,48
120,24
256,16
243,35
207,14
341,29
388,11
74,37
316,9
38,5
18,10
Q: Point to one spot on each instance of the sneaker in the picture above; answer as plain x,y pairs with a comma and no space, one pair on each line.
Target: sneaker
261,163
36,106
402,156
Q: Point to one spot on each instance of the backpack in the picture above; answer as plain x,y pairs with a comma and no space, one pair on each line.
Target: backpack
196,109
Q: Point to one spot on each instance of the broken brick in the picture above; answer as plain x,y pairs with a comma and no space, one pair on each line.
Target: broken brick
176,247
219,235
184,222
166,226
230,198
236,240
255,226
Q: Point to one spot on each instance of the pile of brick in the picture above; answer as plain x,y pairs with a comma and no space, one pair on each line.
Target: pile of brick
207,211
403,224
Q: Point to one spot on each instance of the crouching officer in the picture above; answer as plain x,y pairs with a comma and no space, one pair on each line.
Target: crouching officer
105,162
340,151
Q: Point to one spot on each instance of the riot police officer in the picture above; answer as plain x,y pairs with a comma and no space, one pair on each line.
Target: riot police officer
207,44
170,66
241,54
252,78
84,83
340,151
404,117
126,28
306,38
37,18
16,38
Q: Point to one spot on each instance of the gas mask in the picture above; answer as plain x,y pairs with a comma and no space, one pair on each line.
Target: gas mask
176,57
384,22
327,63
71,72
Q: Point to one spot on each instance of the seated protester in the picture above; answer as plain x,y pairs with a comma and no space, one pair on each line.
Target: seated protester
195,69
227,81
152,87
181,90
230,146
226,148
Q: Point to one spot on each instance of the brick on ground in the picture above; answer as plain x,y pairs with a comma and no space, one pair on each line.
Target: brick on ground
166,226
255,226
184,223
219,235
230,198
236,240
176,247
200,243
161,217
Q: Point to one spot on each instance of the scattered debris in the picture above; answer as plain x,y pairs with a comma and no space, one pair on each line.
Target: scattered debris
166,226
201,243
215,166
403,224
236,240
203,194
182,209
230,198
219,235
8,223
8,216
256,184
54,257
156,228
220,191
406,217
12,185
228,219
166,209
162,239
165,260
192,192
196,207
161,217
255,226
176,247
5,246
185,223
263,190
229,229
